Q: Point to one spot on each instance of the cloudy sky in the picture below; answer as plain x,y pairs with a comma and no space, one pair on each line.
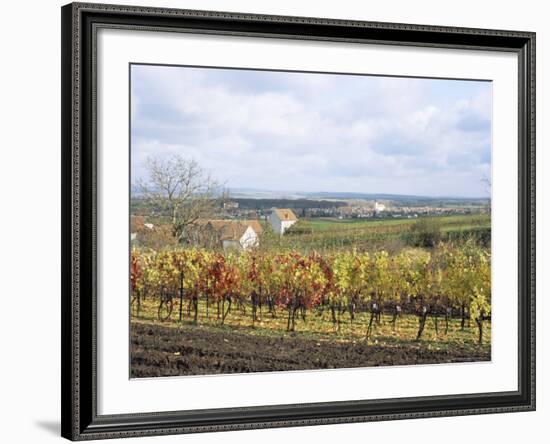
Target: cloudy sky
316,132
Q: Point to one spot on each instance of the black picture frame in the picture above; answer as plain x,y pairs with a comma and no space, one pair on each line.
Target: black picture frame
80,420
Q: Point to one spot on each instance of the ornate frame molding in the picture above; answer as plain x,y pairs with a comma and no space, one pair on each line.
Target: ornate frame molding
80,22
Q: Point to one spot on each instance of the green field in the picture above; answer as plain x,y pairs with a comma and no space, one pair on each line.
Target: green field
447,222
327,234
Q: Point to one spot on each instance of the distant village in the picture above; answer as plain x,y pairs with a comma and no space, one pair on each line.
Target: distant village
360,210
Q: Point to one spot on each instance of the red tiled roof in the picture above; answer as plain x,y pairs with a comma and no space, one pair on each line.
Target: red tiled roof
229,229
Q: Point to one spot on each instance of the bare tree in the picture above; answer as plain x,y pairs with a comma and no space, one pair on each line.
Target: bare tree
181,190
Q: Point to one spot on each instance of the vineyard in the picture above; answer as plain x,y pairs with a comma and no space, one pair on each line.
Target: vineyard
361,292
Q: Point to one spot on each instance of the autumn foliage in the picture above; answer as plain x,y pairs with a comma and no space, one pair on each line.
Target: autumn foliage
446,281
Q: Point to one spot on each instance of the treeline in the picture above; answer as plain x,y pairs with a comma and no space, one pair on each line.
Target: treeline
446,280
295,204
142,206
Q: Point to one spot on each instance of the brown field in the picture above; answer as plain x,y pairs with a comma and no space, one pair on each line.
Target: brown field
158,350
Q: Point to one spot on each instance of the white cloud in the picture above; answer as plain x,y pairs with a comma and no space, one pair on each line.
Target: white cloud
316,132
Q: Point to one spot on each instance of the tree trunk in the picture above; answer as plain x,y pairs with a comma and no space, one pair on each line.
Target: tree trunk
421,323
370,324
288,320
479,322
196,309
224,312
294,318
181,297
253,300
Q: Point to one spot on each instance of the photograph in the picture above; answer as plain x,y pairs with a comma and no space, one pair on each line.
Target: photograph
292,220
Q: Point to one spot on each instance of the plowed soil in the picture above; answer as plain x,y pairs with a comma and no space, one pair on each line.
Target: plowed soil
192,350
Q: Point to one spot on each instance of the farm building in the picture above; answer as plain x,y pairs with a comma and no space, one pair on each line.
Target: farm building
230,234
281,219
230,205
379,207
150,235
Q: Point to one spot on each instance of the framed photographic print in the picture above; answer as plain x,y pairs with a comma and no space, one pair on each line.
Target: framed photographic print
277,221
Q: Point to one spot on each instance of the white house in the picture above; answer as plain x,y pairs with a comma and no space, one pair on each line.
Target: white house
243,240
236,234
378,207
230,205
281,219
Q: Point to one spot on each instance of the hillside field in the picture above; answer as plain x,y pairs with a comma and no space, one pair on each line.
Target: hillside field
324,234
